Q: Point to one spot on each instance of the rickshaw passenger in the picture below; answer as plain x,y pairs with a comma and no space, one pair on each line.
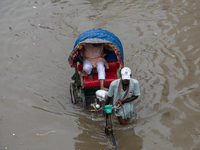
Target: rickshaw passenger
93,57
124,91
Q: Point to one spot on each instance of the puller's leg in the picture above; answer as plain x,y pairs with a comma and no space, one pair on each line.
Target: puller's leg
122,121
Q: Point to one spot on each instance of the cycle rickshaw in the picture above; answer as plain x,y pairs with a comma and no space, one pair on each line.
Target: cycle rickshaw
85,91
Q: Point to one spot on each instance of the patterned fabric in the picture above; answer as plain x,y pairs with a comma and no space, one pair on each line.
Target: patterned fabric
74,53
94,54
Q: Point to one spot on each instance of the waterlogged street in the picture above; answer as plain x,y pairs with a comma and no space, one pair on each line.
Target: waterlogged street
161,46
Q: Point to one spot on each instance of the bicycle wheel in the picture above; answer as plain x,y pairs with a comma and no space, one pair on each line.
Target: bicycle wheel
113,139
72,93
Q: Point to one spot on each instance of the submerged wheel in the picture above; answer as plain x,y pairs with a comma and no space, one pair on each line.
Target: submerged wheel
113,139
110,136
72,93
83,99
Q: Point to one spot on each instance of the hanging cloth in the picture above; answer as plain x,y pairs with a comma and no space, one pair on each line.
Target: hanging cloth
119,92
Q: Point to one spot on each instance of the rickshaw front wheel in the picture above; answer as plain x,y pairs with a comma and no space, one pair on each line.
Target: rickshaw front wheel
72,93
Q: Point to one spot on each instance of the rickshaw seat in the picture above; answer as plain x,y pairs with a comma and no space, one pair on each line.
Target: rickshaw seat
110,75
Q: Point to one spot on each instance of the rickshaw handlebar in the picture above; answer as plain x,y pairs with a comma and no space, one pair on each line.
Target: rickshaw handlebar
116,107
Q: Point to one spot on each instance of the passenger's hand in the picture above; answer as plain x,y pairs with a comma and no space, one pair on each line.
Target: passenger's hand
83,73
107,67
118,103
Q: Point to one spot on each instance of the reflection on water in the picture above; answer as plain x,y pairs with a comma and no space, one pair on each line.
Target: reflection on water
161,46
93,134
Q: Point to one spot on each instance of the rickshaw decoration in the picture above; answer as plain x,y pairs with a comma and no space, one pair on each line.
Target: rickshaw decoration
98,36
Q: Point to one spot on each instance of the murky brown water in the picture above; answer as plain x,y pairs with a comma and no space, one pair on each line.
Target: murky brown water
161,46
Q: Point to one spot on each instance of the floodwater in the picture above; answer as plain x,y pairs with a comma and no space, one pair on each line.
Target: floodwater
161,45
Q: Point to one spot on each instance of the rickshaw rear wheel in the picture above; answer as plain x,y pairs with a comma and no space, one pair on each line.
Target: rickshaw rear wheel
72,93
83,99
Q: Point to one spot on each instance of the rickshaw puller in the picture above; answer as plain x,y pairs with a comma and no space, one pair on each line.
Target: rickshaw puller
93,57
124,91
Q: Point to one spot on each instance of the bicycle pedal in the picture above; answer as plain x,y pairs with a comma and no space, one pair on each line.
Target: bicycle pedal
109,129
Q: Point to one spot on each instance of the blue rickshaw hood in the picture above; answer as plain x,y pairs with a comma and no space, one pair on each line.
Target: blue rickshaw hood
98,36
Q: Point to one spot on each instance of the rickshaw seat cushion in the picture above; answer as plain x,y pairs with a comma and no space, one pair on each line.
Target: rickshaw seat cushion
110,76
113,66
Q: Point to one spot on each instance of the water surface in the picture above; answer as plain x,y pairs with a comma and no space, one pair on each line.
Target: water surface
161,46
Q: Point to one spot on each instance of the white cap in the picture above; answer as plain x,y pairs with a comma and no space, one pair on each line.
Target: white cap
126,73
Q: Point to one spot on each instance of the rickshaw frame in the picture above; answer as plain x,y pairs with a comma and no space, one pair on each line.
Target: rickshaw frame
79,90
